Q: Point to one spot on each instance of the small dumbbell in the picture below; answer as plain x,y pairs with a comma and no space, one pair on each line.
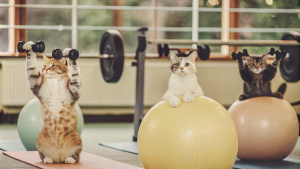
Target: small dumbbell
39,46
58,54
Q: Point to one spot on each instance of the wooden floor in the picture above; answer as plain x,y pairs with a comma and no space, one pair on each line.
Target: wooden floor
92,135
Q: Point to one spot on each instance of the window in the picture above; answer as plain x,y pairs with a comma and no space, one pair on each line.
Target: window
80,23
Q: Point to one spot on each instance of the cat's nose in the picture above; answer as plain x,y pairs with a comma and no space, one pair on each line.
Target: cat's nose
181,68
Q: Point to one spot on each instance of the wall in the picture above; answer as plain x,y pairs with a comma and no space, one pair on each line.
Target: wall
219,80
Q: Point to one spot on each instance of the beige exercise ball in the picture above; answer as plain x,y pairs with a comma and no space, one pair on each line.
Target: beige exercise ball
267,128
199,135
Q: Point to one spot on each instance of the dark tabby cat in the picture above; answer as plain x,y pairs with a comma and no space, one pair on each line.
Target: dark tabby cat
257,74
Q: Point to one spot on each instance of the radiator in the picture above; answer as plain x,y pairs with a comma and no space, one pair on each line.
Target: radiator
95,91
219,80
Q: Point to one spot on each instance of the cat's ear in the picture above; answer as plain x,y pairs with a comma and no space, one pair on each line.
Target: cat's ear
63,60
247,58
45,58
265,57
173,57
193,56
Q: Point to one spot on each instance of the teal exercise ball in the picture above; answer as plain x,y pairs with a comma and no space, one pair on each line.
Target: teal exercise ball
30,123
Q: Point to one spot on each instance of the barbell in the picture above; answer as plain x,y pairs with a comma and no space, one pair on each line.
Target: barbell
111,46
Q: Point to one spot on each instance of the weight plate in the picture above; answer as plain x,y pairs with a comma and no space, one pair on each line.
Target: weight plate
160,50
166,50
111,43
203,52
289,67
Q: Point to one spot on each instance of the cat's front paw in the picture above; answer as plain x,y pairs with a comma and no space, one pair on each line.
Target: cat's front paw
48,160
280,54
70,160
174,101
28,45
67,51
188,97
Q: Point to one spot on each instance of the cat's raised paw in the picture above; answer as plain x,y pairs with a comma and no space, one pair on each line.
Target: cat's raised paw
48,160
28,45
174,101
70,160
66,51
188,97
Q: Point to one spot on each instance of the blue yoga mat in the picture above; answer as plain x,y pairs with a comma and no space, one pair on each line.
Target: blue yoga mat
12,146
287,163
130,147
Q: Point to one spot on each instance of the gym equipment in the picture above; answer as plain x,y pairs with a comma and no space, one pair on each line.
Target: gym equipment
112,50
39,47
30,123
289,68
203,51
267,128
58,54
87,160
140,67
200,134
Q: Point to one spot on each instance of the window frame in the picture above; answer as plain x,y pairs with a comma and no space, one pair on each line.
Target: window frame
229,27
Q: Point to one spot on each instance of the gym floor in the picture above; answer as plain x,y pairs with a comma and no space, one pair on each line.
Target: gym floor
92,135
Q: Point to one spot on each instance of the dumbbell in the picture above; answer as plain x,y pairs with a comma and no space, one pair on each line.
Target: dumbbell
39,46
58,54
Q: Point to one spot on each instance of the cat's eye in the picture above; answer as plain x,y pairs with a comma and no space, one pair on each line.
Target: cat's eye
44,66
187,64
53,65
176,64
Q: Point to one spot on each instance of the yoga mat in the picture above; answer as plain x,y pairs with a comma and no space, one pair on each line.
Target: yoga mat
12,146
130,147
287,163
87,160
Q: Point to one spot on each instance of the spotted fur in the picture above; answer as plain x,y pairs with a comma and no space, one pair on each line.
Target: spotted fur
183,80
58,88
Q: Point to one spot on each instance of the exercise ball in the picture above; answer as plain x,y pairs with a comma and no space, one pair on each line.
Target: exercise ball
200,134
30,123
267,128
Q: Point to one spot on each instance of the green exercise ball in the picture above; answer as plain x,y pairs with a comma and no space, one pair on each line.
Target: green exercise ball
30,123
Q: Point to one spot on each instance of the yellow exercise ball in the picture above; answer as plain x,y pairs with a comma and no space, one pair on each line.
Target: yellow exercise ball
267,128
200,134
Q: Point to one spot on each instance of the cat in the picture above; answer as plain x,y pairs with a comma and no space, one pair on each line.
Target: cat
257,74
183,80
58,87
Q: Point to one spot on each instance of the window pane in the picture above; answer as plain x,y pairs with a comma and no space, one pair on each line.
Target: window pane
88,17
3,32
53,17
269,20
3,40
89,41
53,39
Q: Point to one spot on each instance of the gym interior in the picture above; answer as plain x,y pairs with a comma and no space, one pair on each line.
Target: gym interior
123,50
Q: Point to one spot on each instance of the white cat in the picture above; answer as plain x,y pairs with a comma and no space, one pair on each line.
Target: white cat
183,80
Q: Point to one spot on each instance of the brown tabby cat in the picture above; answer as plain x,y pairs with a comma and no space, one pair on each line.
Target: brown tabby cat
58,91
257,74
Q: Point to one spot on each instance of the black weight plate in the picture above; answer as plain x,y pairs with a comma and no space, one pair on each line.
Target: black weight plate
111,43
166,50
290,66
20,46
203,52
160,50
